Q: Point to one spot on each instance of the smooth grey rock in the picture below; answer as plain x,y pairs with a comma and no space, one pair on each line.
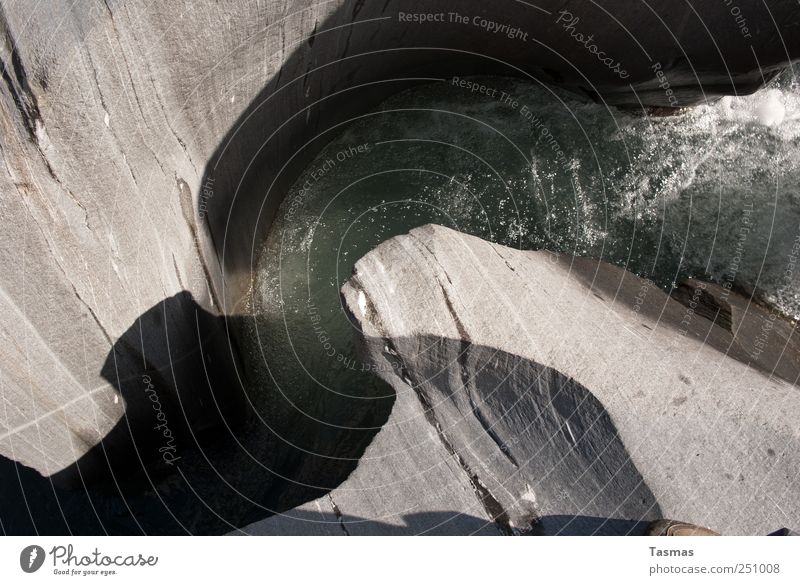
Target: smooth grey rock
405,483
146,148
570,390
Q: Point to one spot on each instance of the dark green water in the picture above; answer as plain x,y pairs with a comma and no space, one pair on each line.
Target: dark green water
710,193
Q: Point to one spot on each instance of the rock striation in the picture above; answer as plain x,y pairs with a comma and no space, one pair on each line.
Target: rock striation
548,394
146,149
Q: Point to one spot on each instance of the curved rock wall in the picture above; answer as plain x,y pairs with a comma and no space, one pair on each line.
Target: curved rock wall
145,150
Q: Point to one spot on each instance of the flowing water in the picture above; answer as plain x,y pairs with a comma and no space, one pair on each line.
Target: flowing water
710,192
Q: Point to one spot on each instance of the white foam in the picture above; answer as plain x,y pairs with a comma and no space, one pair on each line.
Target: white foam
771,111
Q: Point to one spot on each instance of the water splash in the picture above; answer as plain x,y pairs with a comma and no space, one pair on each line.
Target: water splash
665,197
710,192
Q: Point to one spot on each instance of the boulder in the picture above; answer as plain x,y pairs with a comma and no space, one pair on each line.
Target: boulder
551,394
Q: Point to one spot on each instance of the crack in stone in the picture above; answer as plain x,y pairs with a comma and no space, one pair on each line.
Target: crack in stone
187,209
467,380
496,251
24,98
338,513
493,508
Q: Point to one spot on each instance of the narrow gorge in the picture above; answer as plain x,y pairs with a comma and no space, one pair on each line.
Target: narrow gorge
571,225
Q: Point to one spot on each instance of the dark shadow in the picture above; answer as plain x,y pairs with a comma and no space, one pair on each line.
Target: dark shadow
542,445
312,523
522,431
197,452
542,453
308,523
177,373
29,504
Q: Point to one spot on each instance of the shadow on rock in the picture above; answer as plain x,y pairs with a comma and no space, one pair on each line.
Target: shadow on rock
306,522
540,449
313,523
195,452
